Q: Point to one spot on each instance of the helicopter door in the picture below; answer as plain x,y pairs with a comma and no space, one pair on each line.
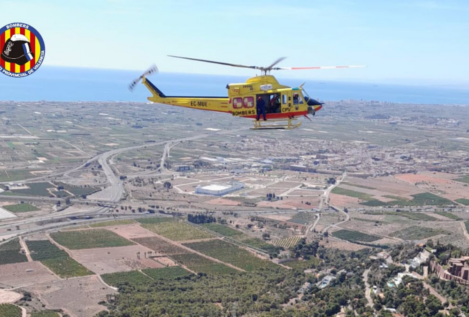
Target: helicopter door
286,101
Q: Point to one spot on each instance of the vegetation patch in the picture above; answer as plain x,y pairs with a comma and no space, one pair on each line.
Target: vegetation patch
89,239
417,233
44,250
223,230
167,272
356,185
351,193
303,265
463,179
229,253
287,242
14,175
35,189
66,267
448,215
177,231
154,220
10,253
45,313
20,208
410,215
8,310
78,190
200,264
463,201
159,245
303,218
132,277
113,223
352,236
467,226
374,203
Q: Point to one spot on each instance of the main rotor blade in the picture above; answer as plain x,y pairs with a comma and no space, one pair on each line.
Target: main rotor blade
275,63
214,62
317,67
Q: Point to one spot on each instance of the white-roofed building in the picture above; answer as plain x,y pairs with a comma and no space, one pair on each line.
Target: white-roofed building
219,189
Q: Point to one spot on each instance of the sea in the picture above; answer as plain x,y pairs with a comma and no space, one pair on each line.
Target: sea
51,83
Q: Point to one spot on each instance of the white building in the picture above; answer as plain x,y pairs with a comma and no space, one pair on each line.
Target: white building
219,189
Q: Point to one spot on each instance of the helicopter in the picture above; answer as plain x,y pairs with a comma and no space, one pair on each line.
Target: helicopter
283,104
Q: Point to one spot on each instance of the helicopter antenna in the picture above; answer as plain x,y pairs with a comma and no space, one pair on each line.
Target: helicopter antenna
267,69
153,69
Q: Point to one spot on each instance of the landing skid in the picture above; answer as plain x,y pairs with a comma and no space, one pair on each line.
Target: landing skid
261,125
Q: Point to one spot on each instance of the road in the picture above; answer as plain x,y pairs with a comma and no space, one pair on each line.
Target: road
367,288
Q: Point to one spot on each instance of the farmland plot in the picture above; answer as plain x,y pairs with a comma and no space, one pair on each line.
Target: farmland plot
229,253
89,239
287,242
200,264
10,253
417,233
134,277
166,273
350,235
177,231
20,208
8,310
160,246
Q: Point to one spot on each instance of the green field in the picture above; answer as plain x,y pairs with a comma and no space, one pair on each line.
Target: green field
463,201
44,313
448,215
356,185
351,193
223,230
66,267
167,272
78,190
410,215
134,277
200,264
89,239
355,236
303,265
417,233
35,189
8,310
20,208
303,218
113,223
424,199
467,226
14,175
226,252
10,253
177,231
155,220
44,250
463,179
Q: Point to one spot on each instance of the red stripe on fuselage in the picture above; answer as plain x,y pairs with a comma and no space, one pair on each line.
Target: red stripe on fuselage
22,67
279,115
32,42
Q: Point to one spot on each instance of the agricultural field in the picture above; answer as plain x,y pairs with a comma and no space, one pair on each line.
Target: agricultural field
351,193
303,265
160,246
463,201
463,179
423,199
258,244
229,253
167,272
20,208
14,175
410,215
78,190
303,218
89,239
177,231
10,253
66,267
8,310
287,242
200,264
134,277
356,185
354,236
44,249
467,226
448,215
113,223
154,220
417,233
223,230
35,189
45,313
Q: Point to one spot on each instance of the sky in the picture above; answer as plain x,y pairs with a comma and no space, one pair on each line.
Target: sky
401,41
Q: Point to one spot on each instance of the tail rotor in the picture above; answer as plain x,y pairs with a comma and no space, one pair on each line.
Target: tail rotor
152,70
